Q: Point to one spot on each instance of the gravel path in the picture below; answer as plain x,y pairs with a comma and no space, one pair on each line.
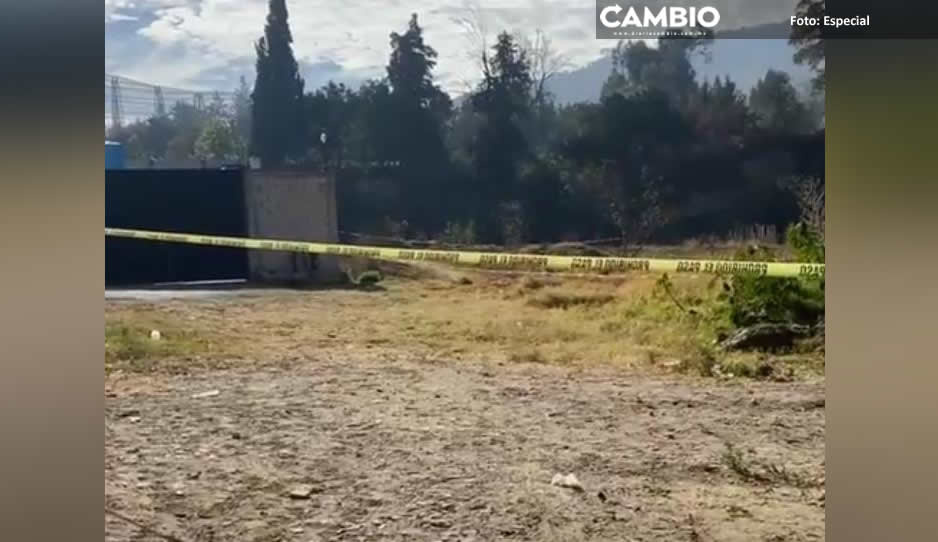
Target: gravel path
390,450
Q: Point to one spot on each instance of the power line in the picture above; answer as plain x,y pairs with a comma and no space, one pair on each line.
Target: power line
128,82
129,99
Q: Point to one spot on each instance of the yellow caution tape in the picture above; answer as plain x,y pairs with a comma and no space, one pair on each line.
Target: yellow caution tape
492,260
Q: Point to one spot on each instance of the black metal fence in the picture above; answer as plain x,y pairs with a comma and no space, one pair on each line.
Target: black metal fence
208,201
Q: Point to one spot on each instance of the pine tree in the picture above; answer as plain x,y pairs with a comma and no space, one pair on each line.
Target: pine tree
809,40
419,102
776,104
410,69
504,98
277,132
420,109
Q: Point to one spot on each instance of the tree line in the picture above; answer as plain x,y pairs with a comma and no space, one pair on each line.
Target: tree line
662,156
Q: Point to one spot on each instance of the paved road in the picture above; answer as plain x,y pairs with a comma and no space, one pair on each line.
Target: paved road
186,290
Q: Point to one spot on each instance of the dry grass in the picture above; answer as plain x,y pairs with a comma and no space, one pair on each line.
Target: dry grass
129,347
439,314
561,300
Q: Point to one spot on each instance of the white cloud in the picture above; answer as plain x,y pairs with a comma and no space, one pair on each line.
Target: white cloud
111,8
185,38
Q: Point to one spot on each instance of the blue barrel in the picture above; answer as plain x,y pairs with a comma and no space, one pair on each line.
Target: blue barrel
113,155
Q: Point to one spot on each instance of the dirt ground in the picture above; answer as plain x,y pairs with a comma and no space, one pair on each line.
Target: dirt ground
316,433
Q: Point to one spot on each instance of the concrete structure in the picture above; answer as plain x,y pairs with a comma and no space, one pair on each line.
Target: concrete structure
291,206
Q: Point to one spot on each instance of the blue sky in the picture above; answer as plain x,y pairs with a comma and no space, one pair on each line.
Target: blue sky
209,44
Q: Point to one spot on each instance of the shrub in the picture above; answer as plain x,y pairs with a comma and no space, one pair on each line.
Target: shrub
757,299
557,300
459,234
807,242
511,222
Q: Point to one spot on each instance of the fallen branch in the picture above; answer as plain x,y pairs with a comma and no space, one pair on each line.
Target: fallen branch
766,336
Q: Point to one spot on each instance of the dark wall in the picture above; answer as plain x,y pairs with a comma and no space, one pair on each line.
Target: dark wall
203,201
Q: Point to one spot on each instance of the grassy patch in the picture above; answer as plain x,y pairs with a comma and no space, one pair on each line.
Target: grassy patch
129,347
626,321
681,332
701,362
560,300
529,355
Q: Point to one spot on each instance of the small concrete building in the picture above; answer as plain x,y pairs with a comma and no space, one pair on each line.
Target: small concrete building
291,206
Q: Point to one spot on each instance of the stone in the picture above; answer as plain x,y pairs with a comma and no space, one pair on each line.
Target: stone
302,492
568,481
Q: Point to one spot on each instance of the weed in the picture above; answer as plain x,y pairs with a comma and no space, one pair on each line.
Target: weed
753,299
701,362
554,300
807,242
366,279
130,348
531,283
527,356
744,469
614,326
756,472
745,367
459,234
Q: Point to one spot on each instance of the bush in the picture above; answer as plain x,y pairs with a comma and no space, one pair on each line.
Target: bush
459,234
807,243
756,299
511,223
557,300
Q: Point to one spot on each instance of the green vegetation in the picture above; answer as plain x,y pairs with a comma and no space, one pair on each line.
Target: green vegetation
691,318
557,300
129,347
752,300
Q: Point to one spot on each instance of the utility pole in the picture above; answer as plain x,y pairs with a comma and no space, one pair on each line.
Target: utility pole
115,103
158,104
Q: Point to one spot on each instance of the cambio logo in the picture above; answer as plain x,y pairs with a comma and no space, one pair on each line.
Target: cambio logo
632,21
668,17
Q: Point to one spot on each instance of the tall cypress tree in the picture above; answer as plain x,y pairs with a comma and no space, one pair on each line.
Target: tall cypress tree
277,132
420,109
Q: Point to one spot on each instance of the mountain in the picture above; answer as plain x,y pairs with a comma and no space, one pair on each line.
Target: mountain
745,60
